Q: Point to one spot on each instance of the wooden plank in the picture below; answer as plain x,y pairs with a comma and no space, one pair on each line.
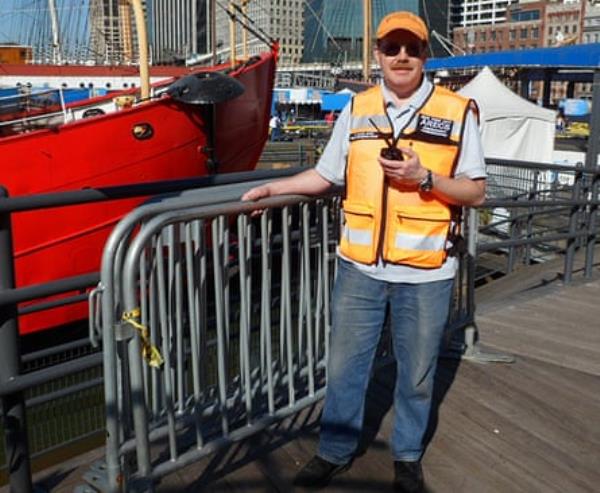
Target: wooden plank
507,337
532,444
541,324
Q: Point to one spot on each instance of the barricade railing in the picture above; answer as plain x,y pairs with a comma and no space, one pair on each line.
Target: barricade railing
194,355
47,381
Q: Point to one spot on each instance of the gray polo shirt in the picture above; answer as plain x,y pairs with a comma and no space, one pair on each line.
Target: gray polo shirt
332,167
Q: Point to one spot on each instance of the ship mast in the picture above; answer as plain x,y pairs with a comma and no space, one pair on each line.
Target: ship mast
140,26
56,55
366,40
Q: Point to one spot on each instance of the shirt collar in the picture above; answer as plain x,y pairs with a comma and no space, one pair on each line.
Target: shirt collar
416,100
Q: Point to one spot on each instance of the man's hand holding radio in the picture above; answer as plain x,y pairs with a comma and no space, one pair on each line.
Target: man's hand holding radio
404,172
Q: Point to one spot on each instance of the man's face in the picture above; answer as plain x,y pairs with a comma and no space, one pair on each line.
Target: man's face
401,56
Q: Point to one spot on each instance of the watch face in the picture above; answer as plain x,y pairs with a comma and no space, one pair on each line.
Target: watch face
427,184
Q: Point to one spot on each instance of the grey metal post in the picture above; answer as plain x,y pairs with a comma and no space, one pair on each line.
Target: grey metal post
591,157
591,162
573,215
13,406
471,329
532,196
591,225
514,235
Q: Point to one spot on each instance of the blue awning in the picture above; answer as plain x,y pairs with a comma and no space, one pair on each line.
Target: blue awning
335,102
575,56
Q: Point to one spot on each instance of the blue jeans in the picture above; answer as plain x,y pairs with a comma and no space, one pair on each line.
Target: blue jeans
418,314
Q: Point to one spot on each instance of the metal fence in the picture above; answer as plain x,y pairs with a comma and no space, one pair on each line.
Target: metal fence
237,309
214,326
39,388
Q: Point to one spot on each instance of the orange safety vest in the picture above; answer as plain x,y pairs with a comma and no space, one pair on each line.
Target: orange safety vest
400,224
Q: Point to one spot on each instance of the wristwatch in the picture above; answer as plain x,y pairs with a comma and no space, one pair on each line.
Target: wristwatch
426,183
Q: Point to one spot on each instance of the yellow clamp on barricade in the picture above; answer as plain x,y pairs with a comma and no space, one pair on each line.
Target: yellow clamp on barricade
150,353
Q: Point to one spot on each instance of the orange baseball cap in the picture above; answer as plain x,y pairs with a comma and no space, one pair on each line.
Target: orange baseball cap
407,21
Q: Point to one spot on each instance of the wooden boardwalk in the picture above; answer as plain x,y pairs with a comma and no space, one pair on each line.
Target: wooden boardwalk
530,426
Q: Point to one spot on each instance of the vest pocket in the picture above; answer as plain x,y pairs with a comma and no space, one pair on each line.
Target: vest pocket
418,236
357,240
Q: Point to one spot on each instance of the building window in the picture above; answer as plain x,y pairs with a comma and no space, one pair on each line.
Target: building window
550,31
535,32
523,33
566,29
512,35
483,36
493,35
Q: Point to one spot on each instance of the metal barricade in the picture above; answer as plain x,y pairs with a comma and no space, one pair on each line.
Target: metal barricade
192,358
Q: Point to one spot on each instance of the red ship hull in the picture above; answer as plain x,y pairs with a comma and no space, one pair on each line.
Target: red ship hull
102,151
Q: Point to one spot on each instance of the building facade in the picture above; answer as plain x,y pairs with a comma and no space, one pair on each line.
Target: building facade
591,23
279,19
465,13
334,28
522,28
178,30
106,40
564,23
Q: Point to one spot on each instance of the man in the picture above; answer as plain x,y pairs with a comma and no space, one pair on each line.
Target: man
400,215
275,127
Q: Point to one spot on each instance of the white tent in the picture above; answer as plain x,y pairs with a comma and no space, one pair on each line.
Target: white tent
511,127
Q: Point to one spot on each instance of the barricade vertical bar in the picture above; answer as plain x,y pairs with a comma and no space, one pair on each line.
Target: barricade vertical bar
301,308
244,316
248,261
139,407
288,304
319,292
265,236
194,331
221,343
327,281
224,241
201,295
13,406
144,319
178,309
166,343
156,391
308,300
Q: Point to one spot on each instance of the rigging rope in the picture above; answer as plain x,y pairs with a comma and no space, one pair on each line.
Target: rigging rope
264,37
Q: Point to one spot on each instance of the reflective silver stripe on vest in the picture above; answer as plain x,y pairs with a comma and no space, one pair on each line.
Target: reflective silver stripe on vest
406,241
362,122
358,236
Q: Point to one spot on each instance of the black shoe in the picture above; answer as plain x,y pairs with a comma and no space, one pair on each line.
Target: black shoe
318,472
408,477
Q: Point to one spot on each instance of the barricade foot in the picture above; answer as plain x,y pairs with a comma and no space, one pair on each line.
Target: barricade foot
477,355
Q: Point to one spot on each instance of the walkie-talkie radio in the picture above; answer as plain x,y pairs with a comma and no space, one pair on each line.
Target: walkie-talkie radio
390,152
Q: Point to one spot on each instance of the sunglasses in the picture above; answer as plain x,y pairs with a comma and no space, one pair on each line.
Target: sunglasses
392,48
